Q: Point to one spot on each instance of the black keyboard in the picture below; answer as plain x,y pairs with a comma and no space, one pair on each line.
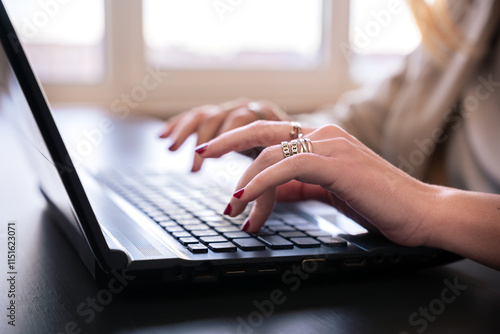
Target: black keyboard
190,210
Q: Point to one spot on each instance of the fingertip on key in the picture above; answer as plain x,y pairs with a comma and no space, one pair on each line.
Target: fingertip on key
245,226
228,210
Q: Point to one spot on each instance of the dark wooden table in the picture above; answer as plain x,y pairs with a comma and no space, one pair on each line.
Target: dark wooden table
51,283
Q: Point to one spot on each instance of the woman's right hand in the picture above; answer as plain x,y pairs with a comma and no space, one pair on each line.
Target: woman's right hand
209,121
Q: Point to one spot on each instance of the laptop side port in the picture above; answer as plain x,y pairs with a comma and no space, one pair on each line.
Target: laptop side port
355,262
204,275
235,270
267,268
313,265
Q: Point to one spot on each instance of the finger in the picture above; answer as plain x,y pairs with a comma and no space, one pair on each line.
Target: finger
170,125
286,171
295,191
273,112
189,124
274,155
261,210
268,157
308,168
259,133
206,131
237,118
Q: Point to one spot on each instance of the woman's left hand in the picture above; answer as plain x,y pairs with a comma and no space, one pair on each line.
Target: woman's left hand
340,171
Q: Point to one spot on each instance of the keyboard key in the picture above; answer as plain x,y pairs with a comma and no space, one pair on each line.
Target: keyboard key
204,233
193,221
308,227
276,242
196,227
295,234
197,248
163,220
187,241
219,224
249,244
279,228
274,222
319,233
332,241
158,217
217,238
263,232
236,220
168,224
305,242
154,213
296,221
212,219
205,213
172,229
235,235
181,216
181,234
225,229
220,247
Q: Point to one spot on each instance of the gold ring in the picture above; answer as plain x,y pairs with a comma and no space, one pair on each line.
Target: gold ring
285,149
294,144
309,145
256,108
296,130
303,146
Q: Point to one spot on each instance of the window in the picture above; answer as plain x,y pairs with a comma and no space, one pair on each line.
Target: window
63,45
381,32
105,51
217,35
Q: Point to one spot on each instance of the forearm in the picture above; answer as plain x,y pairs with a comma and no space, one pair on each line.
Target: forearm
467,223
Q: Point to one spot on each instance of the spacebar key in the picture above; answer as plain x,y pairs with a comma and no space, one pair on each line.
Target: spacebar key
276,242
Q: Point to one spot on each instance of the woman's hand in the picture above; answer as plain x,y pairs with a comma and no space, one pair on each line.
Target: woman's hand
209,121
341,171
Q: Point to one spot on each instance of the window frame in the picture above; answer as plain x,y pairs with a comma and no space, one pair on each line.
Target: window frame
126,69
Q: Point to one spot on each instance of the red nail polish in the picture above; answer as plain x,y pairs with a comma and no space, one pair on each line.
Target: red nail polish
245,226
172,147
228,209
239,193
201,148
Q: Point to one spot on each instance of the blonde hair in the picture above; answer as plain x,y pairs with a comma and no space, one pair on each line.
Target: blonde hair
440,35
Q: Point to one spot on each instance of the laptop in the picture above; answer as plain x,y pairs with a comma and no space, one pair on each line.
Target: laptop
167,228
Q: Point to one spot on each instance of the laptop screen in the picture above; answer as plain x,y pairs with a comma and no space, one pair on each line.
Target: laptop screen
13,103
22,98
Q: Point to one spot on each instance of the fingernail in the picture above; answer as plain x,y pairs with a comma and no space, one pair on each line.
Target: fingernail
201,148
172,147
245,226
228,209
239,193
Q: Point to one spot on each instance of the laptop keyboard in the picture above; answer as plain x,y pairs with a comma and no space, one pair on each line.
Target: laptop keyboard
190,210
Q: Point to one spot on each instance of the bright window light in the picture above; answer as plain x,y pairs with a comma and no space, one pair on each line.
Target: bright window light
64,40
257,34
382,27
381,33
